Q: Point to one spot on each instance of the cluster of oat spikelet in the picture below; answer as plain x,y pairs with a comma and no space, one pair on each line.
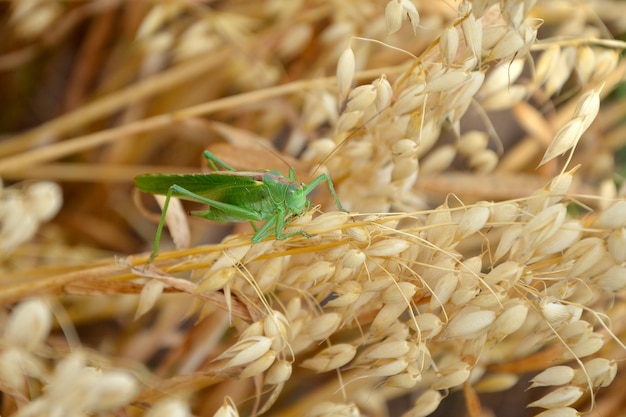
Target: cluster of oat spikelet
411,294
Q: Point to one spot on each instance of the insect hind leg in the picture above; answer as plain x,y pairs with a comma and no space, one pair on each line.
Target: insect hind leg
214,162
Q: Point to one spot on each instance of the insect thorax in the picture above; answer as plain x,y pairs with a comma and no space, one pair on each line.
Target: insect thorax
288,192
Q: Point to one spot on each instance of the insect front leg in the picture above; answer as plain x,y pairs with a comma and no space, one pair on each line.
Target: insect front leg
213,160
264,231
279,222
280,226
324,177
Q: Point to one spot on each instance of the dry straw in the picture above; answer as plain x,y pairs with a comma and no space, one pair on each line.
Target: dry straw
434,283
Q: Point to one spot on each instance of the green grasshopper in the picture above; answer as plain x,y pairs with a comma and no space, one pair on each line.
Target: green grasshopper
237,196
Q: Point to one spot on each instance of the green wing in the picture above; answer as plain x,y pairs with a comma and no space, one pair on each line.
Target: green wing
221,187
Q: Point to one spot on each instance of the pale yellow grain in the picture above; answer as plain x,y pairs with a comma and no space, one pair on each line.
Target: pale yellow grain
149,295
510,320
386,316
279,372
347,294
472,142
445,80
502,77
492,35
614,217
473,220
569,233
427,325
585,253
613,280
44,199
329,409
404,380
331,358
600,371
465,293
19,224
392,347
330,220
269,273
560,397
405,171
560,412
321,327
546,63
492,298
169,407
277,327
109,390
394,13
440,230
452,376
496,383
576,330
384,93
442,291
561,70
449,45
511,236
511,43
473,31
29,324
585,63
565,139
317,273
387,247
294,40
438,160
606,62
404,148
426,404
507,274
504,213
367,299
412,13
485,161
349,120
259,365
387,367
246,351
587,346
544,225
554,375
504,99
215,280
397,293
15,366
253,330
228,409
468,321
410,99
231,257
555,312
345,72
361,97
